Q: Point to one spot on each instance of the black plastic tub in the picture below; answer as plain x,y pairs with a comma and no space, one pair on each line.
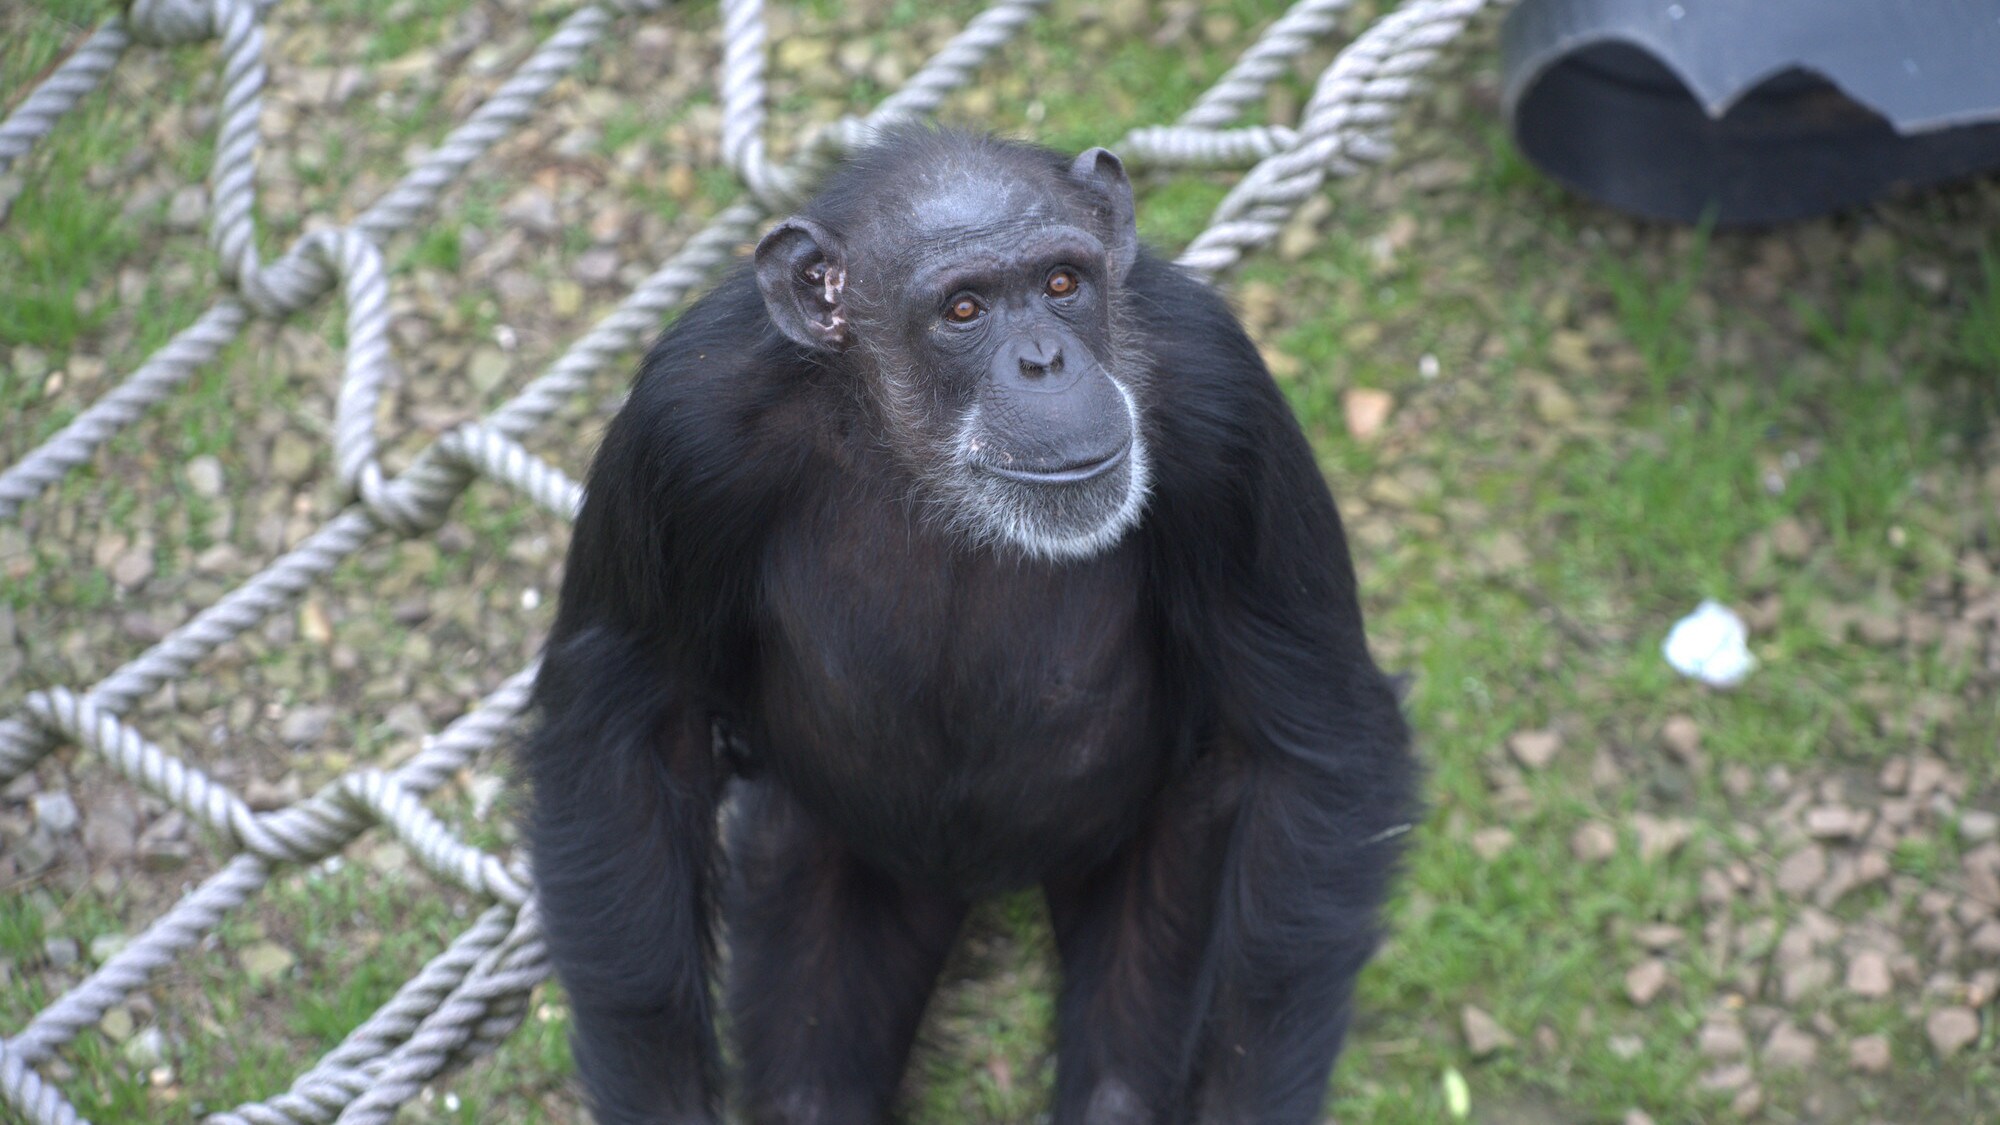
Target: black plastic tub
1753,112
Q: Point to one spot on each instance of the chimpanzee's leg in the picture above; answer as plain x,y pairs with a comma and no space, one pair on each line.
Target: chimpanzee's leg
1133,936
830,965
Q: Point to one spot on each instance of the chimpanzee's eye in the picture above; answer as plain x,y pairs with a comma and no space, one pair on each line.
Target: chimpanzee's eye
964,309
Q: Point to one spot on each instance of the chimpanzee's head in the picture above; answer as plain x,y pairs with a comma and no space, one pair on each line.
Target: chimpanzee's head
973,286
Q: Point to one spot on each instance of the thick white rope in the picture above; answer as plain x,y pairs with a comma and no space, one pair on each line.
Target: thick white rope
474,993
301,276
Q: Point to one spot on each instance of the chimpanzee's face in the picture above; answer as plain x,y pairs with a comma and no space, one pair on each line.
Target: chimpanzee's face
983,316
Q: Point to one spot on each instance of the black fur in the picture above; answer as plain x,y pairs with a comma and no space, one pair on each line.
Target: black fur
1181,737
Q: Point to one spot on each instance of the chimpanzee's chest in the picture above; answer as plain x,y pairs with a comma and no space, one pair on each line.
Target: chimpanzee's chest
955,712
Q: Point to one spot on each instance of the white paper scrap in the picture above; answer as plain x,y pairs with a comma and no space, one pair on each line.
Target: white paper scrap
1711,645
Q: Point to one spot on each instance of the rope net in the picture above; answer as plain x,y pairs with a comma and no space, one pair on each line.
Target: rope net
474,992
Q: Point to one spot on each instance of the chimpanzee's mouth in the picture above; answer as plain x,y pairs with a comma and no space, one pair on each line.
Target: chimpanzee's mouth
1075,473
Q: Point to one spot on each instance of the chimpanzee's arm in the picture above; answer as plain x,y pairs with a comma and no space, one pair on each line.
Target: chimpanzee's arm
1327,789
623,831
625,783
1326,780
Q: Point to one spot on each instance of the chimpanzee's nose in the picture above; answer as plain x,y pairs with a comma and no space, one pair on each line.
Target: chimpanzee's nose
1039,358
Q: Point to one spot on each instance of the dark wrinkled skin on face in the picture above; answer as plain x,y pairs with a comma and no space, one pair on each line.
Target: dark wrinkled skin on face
959,545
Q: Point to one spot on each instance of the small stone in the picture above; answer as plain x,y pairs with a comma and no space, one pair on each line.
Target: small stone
1895,775
1489,843
1483,1033
163,856
1978,825
1366,410
1791,540
1747,1101
204,475
291,457
1823,928
266,960
147,1049
306,724
1871,866
60,951
314,624
56,812
1879,628
86,369
133,567
1570,350
264,796
855,55
597,266
117,1024
1301,234
1805,978
1926,775
1636,1117
1553,404
1839,880
1659,936
798,54
488,367
165,845
1645,980
1534,749
1981,869
111,829
104,947
1594,842
680,181
1722,1040
187,208
1969,912
1790,1047
1660,837
1950,1029
1868,975
1682,738
1985,941
534,209
1869,1054
1802,870
1723,1079
1832,822
565,297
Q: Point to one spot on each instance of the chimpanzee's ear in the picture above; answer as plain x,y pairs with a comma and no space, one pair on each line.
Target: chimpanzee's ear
803,274
1102,173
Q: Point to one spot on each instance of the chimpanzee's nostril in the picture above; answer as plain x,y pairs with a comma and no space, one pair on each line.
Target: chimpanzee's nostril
1043,361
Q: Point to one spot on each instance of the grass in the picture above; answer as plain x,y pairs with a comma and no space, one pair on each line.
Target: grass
1598,423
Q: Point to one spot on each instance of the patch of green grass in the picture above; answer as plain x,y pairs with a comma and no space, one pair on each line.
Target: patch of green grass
1653,310
60,240
392,32
1977,340
21,926
625,125
117,1091
38,34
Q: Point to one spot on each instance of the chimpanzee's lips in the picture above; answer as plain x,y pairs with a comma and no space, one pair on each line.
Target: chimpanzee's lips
1061,474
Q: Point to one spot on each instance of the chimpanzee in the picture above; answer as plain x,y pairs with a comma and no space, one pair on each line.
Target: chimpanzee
967,545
